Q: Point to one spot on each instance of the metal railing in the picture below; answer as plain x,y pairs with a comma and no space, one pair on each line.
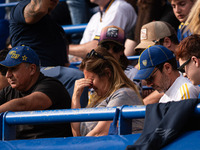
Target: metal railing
126,113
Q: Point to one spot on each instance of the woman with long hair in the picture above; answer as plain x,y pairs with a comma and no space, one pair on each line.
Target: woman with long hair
112,88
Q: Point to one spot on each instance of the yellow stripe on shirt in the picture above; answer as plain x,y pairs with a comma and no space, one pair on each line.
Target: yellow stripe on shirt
188,93
184,91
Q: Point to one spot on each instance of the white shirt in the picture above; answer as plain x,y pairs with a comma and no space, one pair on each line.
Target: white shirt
120,14
181,89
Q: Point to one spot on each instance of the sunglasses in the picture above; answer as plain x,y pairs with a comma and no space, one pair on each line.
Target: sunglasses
93,53
181,68
151,78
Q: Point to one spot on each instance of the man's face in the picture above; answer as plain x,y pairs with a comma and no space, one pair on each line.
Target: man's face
19,76
159,81
182,8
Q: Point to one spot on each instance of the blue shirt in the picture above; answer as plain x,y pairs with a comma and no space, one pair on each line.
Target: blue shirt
181,33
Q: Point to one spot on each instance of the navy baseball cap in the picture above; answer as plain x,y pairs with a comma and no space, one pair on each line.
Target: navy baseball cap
150,58
20,54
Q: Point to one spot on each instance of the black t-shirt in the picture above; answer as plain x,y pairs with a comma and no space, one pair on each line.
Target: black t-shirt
45,37
60,100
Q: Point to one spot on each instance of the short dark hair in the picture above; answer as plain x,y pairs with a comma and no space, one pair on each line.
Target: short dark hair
173,38
172,61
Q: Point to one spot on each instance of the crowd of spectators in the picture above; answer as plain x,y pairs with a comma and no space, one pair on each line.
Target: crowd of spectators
38,64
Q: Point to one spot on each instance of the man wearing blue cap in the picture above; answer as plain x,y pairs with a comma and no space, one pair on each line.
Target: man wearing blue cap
31,90
158,66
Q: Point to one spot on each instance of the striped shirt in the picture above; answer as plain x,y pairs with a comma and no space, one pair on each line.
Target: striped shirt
181,89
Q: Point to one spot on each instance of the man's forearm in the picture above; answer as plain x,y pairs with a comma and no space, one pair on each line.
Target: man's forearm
35,10
12,105
81,50
152,98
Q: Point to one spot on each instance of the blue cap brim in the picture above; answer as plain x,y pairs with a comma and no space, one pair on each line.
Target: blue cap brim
144,73
8,63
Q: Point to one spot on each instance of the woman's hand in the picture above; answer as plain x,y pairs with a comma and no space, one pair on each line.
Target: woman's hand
78,90
80,85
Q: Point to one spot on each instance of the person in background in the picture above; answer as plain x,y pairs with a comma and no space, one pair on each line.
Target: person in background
158,66
148,11
194,19
156,33
30,90
32,25
181,9
188,55
111,12
112,38
112,88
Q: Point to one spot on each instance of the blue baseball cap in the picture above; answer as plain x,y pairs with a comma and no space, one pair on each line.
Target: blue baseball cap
150,58
20,54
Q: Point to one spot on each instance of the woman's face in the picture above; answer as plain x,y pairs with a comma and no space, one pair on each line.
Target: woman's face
100,84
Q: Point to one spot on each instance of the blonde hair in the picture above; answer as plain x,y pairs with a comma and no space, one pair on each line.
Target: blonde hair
194,19
99,65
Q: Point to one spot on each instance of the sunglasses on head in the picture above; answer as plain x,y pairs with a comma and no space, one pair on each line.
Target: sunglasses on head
181,68
93,53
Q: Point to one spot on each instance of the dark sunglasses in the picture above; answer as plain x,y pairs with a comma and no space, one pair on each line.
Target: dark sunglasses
181,68
94,53
151,78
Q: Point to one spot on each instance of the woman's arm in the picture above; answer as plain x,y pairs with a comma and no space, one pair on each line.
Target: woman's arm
78,89
100,129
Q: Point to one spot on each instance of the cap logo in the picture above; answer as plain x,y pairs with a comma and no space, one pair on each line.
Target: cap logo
112,32
24,57
14,55
143,34
144,62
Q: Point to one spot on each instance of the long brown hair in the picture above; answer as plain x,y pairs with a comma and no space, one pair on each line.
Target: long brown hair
101,62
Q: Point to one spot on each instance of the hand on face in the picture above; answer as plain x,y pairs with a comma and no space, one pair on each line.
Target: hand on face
80,85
